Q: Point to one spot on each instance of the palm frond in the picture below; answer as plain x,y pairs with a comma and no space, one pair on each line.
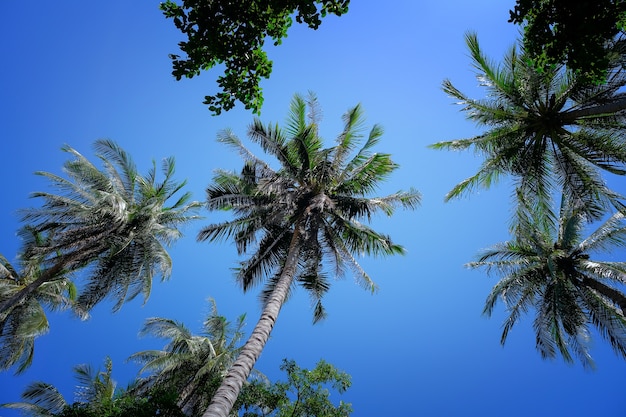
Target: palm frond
40,400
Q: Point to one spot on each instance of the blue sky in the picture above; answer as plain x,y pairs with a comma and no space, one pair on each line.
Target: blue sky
78,71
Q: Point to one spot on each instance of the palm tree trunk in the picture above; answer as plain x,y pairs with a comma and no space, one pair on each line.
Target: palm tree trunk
48,275
226,395
10,303
610,108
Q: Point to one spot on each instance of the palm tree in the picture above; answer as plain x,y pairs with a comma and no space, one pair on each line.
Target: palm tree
293,220
193,365
548,267
550,131
96,388
24,323
114,220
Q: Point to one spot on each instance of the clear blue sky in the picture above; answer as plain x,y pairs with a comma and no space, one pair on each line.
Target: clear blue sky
75,71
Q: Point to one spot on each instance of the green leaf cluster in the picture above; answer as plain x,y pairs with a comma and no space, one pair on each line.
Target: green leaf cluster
305,393
580,34
233,34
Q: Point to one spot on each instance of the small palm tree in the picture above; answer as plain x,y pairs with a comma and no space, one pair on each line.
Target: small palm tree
192,365
114,220
551,131
294,220
548,267
96,388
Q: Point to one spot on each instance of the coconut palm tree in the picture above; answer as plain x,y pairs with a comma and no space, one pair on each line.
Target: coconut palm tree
113,220
192,365
24,323
552,131
549,268
292,221
96,388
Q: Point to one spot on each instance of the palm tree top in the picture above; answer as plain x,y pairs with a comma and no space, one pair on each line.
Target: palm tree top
549,267
101,232
113,219
21,325
95,387
321,193
550,130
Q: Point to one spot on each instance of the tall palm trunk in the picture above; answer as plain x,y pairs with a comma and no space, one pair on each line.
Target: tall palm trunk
226,395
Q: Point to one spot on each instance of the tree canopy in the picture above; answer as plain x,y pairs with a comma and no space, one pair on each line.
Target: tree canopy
305,393
233,33
577,33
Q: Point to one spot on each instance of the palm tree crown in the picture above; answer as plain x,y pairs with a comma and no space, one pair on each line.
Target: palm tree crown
550,129
292,221
548,267
318,193
114,220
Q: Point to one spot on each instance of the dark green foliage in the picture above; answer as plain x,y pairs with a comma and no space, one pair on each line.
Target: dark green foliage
576,33
233,33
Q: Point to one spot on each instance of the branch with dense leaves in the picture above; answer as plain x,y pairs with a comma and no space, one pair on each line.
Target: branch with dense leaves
233,34
577,34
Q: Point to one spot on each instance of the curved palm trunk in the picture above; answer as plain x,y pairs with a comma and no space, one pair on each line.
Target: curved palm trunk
226,395
49,275
10,303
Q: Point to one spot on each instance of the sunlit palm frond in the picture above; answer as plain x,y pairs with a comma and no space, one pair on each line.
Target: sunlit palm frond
611,234
609,322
